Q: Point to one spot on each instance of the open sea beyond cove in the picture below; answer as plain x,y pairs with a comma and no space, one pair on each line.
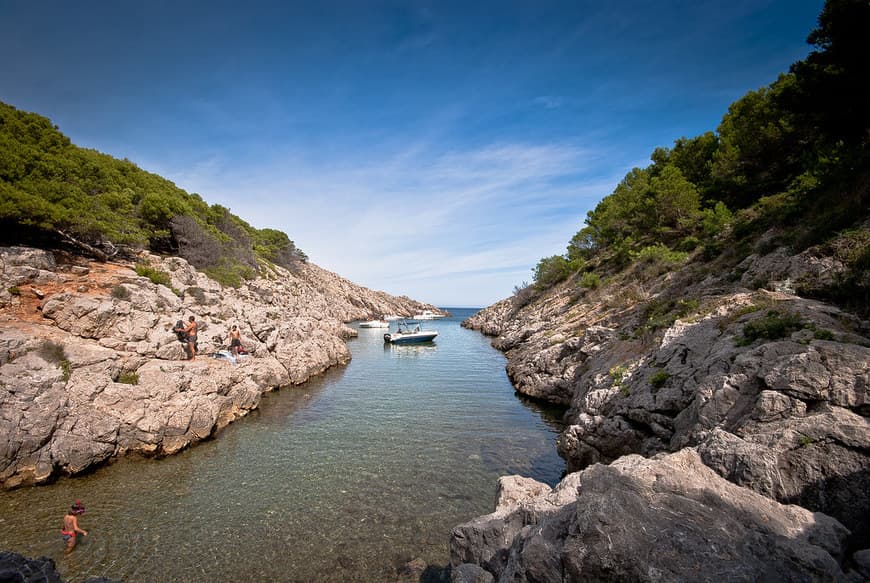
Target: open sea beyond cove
345,478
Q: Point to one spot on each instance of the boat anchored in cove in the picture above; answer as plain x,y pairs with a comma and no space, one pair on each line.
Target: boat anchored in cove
409,332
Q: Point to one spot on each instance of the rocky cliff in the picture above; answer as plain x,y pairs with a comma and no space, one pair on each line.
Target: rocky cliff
90,368
758,397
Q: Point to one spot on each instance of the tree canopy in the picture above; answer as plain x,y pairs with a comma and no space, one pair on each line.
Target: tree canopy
52,191
797,150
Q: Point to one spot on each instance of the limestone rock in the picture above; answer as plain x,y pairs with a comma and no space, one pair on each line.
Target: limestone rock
98,372
665,519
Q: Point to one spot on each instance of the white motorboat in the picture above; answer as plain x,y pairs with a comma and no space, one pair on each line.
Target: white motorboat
392,317
375,324
428,315
409,332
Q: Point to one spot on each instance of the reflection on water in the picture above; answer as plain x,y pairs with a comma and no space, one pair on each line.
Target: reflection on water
342,479
421,349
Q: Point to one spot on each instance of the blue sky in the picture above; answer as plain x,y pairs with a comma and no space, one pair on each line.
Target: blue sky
434,149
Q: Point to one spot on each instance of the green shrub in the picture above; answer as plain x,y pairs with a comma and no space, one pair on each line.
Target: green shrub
230,273
119,292
129,378
659,253
659,379
156,276
663,314
14,290
822,334
590,280
66,367
772,326
617,375
688,244
551,270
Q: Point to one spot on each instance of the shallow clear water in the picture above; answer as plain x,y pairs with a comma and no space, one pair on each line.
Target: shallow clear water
344,478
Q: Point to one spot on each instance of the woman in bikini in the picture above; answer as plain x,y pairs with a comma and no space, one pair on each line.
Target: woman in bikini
71,526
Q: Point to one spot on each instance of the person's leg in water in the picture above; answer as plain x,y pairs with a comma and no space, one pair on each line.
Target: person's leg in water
70,539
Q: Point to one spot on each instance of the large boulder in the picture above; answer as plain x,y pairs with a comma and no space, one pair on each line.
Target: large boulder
665,519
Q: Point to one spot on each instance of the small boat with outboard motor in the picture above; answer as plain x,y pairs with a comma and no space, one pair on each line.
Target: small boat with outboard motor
409,332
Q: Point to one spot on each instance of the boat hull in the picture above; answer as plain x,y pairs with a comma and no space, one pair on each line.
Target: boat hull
411,338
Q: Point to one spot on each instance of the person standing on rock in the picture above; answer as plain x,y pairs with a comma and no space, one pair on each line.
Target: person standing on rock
235,340
191,337
71,526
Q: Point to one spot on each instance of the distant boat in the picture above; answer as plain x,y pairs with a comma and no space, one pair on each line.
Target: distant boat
409,332
375,324
428,315
391,317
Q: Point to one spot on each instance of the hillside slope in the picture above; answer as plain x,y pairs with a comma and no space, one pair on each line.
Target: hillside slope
707,330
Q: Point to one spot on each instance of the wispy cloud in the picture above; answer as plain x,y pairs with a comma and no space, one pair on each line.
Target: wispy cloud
549,101
417,221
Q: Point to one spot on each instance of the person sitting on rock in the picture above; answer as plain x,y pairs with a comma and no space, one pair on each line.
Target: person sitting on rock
191,338
71,526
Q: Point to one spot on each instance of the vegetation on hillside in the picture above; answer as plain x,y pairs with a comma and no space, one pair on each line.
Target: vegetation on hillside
55,193
795,155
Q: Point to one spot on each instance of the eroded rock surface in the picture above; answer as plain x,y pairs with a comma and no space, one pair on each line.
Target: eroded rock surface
771,389
90,368
665,519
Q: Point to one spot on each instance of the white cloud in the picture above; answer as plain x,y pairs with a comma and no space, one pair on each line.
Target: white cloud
460,227
549,101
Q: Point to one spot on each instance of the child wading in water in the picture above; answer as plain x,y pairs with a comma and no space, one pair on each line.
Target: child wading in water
71,526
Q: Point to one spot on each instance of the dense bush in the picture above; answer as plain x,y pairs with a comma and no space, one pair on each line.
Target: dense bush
659,379
773,326
552,270
129,378
156,276
590,280
56,194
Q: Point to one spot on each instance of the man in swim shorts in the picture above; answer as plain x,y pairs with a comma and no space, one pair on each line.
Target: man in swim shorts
71,526
235,340
191,337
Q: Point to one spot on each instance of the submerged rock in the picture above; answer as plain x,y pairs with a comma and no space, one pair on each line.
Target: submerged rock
15,568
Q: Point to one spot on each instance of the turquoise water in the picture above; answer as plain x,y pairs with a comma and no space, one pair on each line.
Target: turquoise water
344,478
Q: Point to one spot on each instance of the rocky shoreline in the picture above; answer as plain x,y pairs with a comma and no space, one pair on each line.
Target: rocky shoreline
731,442
90,368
